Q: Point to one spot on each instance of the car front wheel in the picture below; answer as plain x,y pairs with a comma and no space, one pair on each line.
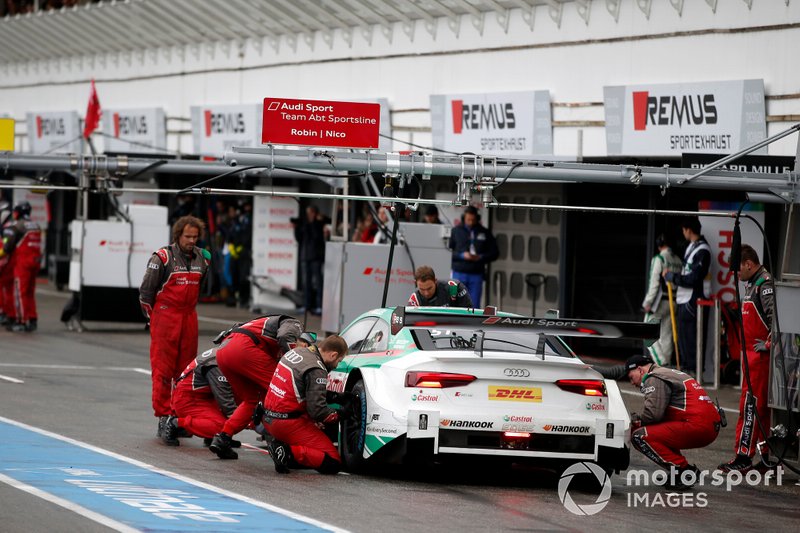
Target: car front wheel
353,430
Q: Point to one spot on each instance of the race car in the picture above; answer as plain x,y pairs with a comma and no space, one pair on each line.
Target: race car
436,383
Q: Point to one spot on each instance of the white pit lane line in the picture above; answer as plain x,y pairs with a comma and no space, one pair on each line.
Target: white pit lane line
75,367
62,440
10,379
637,393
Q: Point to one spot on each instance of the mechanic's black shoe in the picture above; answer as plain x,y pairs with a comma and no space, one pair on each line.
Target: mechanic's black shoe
32,325
683,478
19,326
740,463
207,442
170,432
4,320
162,424
183,433
222,445
281,454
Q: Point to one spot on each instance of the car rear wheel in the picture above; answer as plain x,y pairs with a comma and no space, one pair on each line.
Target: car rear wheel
353,430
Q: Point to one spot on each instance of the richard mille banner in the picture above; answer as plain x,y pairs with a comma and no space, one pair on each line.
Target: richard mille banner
670,119
508,124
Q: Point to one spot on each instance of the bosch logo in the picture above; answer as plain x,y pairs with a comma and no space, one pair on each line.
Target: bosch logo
516,372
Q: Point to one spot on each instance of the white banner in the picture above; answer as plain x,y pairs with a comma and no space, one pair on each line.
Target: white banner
274,246
670,119
217,128
140,131
54,132
718,231
509,124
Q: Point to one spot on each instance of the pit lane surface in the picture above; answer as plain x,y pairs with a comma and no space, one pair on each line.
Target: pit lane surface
93,387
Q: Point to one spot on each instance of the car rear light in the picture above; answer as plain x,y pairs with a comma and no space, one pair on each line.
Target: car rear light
516,435
587,387
437,380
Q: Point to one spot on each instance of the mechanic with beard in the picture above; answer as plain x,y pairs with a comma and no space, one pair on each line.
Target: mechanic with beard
433,293
296,409
678,414
247,357
168,295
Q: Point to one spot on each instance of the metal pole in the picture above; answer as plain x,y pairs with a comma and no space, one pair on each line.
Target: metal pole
391,257
699,355
716,343
737,155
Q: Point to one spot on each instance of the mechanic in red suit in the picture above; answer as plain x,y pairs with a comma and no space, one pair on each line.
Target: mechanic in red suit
168,296
295,408
22,241
678,414
8,312
247,357
202,400
758,309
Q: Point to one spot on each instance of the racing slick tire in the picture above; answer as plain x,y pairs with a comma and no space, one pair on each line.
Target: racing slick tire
353,430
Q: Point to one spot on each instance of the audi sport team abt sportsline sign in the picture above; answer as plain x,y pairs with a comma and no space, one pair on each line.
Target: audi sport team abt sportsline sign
321,123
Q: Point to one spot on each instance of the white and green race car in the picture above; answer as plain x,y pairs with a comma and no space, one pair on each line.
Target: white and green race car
433,383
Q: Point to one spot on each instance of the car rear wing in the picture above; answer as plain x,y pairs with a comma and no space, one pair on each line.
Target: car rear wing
409,317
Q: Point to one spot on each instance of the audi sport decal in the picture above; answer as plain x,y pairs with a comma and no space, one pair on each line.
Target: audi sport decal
515,394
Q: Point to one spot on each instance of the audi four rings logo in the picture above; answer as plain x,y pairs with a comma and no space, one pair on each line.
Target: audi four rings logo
516,372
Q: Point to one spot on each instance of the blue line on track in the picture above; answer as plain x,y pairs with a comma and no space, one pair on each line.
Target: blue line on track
128,492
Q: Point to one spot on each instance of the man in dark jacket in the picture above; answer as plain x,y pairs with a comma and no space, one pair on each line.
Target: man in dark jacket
678,414
474,247
433,293
296,407
310,234
691,286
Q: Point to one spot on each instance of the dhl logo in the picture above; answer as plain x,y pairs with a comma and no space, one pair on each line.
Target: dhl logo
515,394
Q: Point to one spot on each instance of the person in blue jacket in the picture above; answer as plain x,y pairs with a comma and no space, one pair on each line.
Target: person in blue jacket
474,247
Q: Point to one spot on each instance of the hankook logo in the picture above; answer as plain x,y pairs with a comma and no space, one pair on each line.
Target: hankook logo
566,429
516,372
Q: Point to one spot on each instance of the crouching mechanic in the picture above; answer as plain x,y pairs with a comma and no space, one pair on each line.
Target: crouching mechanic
678,414
247,357
433,293
296,410
202,401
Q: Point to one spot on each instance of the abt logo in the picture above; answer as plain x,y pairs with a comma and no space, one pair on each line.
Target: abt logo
672,110
220,123
129,125
498,116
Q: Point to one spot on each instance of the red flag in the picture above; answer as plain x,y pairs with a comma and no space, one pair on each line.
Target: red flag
93,113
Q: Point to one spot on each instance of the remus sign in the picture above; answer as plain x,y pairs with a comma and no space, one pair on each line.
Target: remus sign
667,120
54,132
321,123
217,128
135,130
508,124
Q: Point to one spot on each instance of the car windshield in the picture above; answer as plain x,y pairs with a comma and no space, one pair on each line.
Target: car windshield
493,341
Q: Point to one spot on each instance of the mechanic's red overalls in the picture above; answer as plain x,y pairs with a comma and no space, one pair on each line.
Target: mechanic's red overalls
694,426
27,258
173,318
249,367
310,445
195,405
7,306
748,431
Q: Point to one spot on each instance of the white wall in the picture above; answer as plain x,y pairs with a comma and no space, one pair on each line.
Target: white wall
698,45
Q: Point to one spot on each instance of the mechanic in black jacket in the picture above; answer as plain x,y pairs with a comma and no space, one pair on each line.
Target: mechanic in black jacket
296,408
433,293
691,286
474,247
